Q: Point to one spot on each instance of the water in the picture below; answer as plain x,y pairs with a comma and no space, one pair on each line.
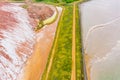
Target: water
101,39
16,41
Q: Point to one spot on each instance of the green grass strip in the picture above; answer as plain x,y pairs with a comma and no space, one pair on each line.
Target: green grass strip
61,66
79,59
79,55
62,61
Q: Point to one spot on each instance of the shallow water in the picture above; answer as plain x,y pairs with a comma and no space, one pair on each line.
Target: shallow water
101,39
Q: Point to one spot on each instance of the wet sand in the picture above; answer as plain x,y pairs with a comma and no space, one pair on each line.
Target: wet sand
37,63
88,65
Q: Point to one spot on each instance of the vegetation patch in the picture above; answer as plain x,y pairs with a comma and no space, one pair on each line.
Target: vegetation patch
58,1
39,26
51,19
62,62
79,58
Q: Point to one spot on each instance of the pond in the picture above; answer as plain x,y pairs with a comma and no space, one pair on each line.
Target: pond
100,21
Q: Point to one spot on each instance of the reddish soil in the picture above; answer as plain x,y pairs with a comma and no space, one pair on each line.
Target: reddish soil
44,39
16,45
6,18
40,12
37,63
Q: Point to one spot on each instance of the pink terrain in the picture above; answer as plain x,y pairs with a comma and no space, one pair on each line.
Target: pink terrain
16,41
23,52
44,40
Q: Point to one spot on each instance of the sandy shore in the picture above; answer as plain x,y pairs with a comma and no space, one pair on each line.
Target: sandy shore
88,66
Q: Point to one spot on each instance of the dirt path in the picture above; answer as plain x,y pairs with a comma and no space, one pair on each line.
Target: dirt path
73,75
53,50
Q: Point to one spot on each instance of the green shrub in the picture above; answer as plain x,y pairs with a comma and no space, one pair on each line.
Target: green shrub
58,1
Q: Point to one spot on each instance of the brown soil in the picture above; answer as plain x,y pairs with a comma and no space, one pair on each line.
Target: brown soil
38,60
40,12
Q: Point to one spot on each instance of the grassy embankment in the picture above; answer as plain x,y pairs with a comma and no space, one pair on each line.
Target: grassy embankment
79,58
61,65
79,55
62,49
57,1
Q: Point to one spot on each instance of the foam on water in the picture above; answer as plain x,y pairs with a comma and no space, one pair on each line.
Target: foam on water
17,43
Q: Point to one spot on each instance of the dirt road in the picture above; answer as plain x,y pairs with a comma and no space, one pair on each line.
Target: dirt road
73,75
53,50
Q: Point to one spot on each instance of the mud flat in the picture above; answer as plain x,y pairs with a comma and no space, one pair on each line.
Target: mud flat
101,29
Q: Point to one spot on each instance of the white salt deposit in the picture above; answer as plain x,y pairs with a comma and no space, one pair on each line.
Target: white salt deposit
20,37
